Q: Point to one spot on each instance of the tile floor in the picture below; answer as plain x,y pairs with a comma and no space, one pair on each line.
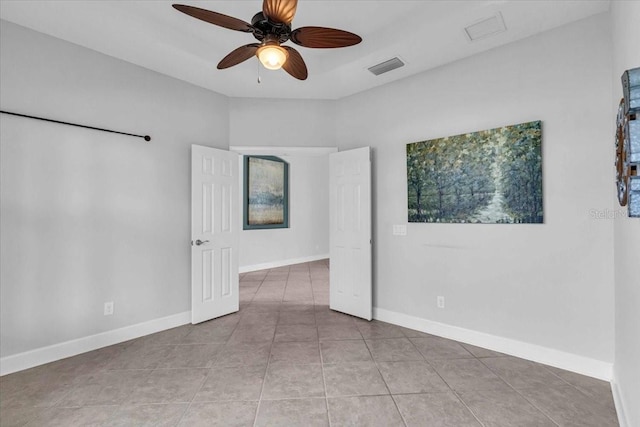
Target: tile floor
285,359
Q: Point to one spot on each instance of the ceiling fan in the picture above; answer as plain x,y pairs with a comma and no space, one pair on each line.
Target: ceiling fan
272,27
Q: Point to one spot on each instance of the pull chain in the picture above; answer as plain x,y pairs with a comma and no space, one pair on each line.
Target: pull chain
259,79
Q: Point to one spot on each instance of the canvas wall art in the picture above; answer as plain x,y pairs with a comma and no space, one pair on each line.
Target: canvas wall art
492,176
266,192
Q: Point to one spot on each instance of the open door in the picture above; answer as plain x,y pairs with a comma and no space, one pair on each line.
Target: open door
215,233
350,288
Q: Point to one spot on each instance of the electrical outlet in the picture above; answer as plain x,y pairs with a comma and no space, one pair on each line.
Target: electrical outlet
440,301
399,230
108,308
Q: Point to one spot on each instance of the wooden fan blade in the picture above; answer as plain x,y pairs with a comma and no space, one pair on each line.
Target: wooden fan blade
295,65
279,11
323,38
215,18
239,55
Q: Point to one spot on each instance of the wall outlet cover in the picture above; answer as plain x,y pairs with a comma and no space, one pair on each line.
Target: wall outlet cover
399,230
108,308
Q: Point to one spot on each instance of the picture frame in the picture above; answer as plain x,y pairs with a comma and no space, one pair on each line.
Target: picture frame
492,176
266,193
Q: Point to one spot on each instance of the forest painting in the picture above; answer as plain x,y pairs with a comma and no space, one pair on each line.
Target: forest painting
492,176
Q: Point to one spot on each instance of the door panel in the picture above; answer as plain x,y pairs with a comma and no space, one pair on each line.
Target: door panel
215,232
350,235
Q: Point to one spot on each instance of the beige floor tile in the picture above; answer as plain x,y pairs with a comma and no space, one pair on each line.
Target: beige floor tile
192,356
411,377
376,329
481,352
568,406
232,383
364,411
434,410
238,354
286,381
295,352
68,417
520,373
169,386
328,332
104,388
354,379
504,408
139,356
156,415
467,374
291,317
220,414
433,348
344,351
293,413
393,350
296,333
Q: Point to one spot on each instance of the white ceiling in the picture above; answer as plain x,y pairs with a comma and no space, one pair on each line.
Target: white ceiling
424,34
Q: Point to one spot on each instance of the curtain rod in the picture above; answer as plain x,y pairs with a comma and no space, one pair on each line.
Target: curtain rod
145,137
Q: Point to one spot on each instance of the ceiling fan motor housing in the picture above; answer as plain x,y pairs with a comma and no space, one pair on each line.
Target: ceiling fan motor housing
265,29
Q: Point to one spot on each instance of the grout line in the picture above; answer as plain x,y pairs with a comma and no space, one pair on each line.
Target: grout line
518,393
266,370
185,412
375,363
324,379
455,393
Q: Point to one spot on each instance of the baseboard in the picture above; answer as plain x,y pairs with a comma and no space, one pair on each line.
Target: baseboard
276,264
548,356
619,403
40,356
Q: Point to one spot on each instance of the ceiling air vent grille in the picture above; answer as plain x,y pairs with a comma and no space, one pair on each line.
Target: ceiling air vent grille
485,27
386,66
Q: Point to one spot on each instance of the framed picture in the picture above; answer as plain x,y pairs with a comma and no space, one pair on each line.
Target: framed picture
266,192
488,177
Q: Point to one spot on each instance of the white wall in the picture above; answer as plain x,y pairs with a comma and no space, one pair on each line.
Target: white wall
275,124
625,19
282,122
307,237
89,217
548,285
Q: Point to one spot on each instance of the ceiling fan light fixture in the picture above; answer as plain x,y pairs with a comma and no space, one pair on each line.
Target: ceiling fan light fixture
271,27
272,56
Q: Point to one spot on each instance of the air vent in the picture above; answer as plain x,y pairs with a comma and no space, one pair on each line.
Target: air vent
485,27
386,66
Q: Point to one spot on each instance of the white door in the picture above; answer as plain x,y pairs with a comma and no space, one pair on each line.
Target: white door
215,233
350,235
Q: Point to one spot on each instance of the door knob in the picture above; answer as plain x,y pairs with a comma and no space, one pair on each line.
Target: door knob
201,242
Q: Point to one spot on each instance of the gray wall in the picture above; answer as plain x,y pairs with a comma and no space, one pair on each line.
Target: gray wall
89,217
550,284
626,54
282,122
293,124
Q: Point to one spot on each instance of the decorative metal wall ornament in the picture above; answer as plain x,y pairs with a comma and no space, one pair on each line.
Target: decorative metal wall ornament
628,143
